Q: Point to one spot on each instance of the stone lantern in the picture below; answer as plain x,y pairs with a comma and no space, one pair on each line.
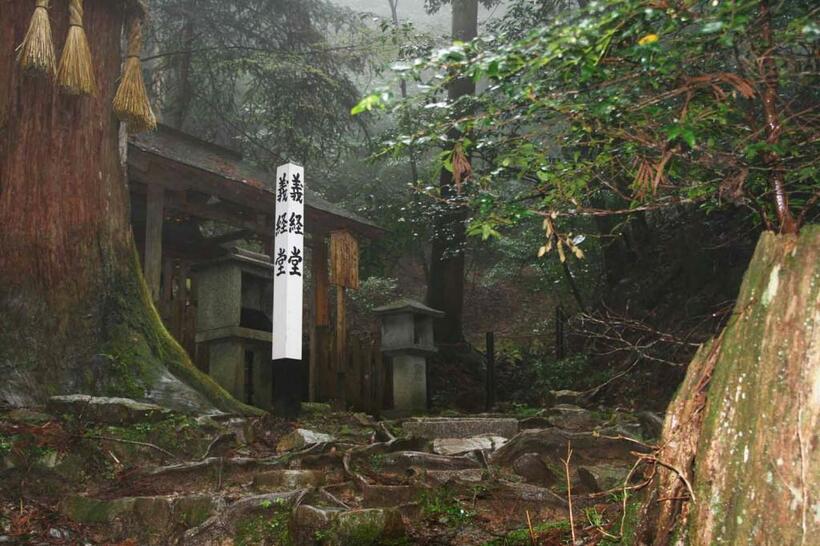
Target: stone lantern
407,340
233,324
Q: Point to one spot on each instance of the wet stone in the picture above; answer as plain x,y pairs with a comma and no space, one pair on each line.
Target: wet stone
367,527
533,469
289,479
302,438
389,495
460,427
569,417
458,446
111,411
308,522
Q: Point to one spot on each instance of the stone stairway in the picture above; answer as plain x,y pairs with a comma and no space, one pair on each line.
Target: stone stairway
430,481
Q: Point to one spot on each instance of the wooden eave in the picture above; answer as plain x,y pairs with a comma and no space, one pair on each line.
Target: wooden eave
195,172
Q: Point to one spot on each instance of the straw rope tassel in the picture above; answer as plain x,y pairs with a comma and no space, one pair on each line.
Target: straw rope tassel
75,75
37,50
131,101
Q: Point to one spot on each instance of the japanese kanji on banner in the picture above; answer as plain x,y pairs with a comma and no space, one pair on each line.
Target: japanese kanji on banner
288,262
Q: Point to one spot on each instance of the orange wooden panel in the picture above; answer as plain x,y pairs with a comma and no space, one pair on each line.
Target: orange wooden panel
344,259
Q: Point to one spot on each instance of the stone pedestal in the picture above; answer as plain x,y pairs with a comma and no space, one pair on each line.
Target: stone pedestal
234,298
410,382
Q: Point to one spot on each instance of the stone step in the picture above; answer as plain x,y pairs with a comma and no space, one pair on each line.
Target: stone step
460,427
150,520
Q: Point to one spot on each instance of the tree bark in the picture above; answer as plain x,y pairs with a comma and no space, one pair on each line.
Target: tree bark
743,429
75,313
445,289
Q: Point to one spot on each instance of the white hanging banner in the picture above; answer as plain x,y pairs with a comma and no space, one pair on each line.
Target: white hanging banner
288,262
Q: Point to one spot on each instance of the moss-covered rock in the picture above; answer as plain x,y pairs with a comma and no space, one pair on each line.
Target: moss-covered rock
109,410
150,520
367,527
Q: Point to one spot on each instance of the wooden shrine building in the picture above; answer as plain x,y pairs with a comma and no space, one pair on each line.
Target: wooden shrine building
191,203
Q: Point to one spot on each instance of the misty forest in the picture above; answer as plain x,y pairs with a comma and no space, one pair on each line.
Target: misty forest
410,272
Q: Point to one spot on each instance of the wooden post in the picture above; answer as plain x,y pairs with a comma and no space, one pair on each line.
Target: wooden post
341,347
321,311
344,266
490,370
321,282
153,239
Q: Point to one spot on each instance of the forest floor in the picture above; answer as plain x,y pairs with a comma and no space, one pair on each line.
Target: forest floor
110,471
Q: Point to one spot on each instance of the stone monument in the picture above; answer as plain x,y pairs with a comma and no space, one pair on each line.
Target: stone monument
407,340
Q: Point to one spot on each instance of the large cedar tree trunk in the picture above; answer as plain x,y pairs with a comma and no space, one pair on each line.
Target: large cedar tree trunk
743,429
75,315
445,289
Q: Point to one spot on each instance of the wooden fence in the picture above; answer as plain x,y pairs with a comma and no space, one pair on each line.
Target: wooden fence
357,382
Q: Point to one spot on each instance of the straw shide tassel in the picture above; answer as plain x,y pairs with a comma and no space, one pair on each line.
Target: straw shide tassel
37,50
131,103
75,75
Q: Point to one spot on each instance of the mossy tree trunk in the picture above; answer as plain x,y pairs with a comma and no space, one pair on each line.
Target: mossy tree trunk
743,429
75,315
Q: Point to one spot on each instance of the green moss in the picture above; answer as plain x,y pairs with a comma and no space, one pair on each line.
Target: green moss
375,527
521,537
87,510
364,534
193,511
138,340
630,523
264,529
179,434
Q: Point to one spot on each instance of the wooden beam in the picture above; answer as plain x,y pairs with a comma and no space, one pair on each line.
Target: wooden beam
153,239
219,214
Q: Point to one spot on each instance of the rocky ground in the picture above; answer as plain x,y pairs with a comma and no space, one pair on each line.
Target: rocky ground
112,471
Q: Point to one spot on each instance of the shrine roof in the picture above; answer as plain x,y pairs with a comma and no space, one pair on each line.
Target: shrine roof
222,172
406,305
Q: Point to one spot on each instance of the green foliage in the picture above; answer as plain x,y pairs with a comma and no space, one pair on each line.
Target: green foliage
264,529
623,106
575,372
433,6
373,292
377,461
441,504
6,443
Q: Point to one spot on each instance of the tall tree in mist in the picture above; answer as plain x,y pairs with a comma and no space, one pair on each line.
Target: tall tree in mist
445,289
75,314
